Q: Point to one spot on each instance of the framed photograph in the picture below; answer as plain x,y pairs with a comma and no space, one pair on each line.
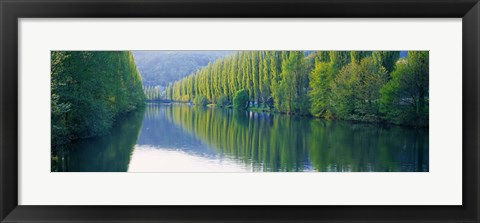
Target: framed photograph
229,111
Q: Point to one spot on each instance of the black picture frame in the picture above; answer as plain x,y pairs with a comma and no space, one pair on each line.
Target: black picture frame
12,10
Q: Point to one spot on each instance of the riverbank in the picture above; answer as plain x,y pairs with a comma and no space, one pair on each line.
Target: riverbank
118,120
271,110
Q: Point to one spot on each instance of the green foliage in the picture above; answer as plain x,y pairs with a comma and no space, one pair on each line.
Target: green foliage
356,91
89,90
386,59
240,101
60,130
322,56
340,58
405,97
320,89
357,56
269,77
294,84
327,84
276,70
200,100
265,76
222,101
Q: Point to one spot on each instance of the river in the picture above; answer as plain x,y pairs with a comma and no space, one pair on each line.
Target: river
183,138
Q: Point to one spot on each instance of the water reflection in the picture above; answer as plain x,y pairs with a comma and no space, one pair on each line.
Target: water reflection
182,138
110,153
275,142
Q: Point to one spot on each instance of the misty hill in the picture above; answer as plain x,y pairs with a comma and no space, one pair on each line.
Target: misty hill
163,67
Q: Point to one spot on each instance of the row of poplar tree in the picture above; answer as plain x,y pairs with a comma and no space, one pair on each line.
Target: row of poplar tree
376,86
153,92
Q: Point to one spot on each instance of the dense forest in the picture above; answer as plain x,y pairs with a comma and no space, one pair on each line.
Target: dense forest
89,90
159,68
377,86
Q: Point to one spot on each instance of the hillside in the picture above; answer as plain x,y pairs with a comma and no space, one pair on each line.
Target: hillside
164,67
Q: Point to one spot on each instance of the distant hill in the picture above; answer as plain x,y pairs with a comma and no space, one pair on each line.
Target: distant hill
163,67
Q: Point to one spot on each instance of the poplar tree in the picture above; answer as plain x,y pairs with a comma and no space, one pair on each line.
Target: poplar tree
387,59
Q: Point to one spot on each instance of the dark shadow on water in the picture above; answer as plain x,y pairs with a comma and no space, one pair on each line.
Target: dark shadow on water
109,153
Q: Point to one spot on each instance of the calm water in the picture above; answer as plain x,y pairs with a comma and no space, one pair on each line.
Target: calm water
181,138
